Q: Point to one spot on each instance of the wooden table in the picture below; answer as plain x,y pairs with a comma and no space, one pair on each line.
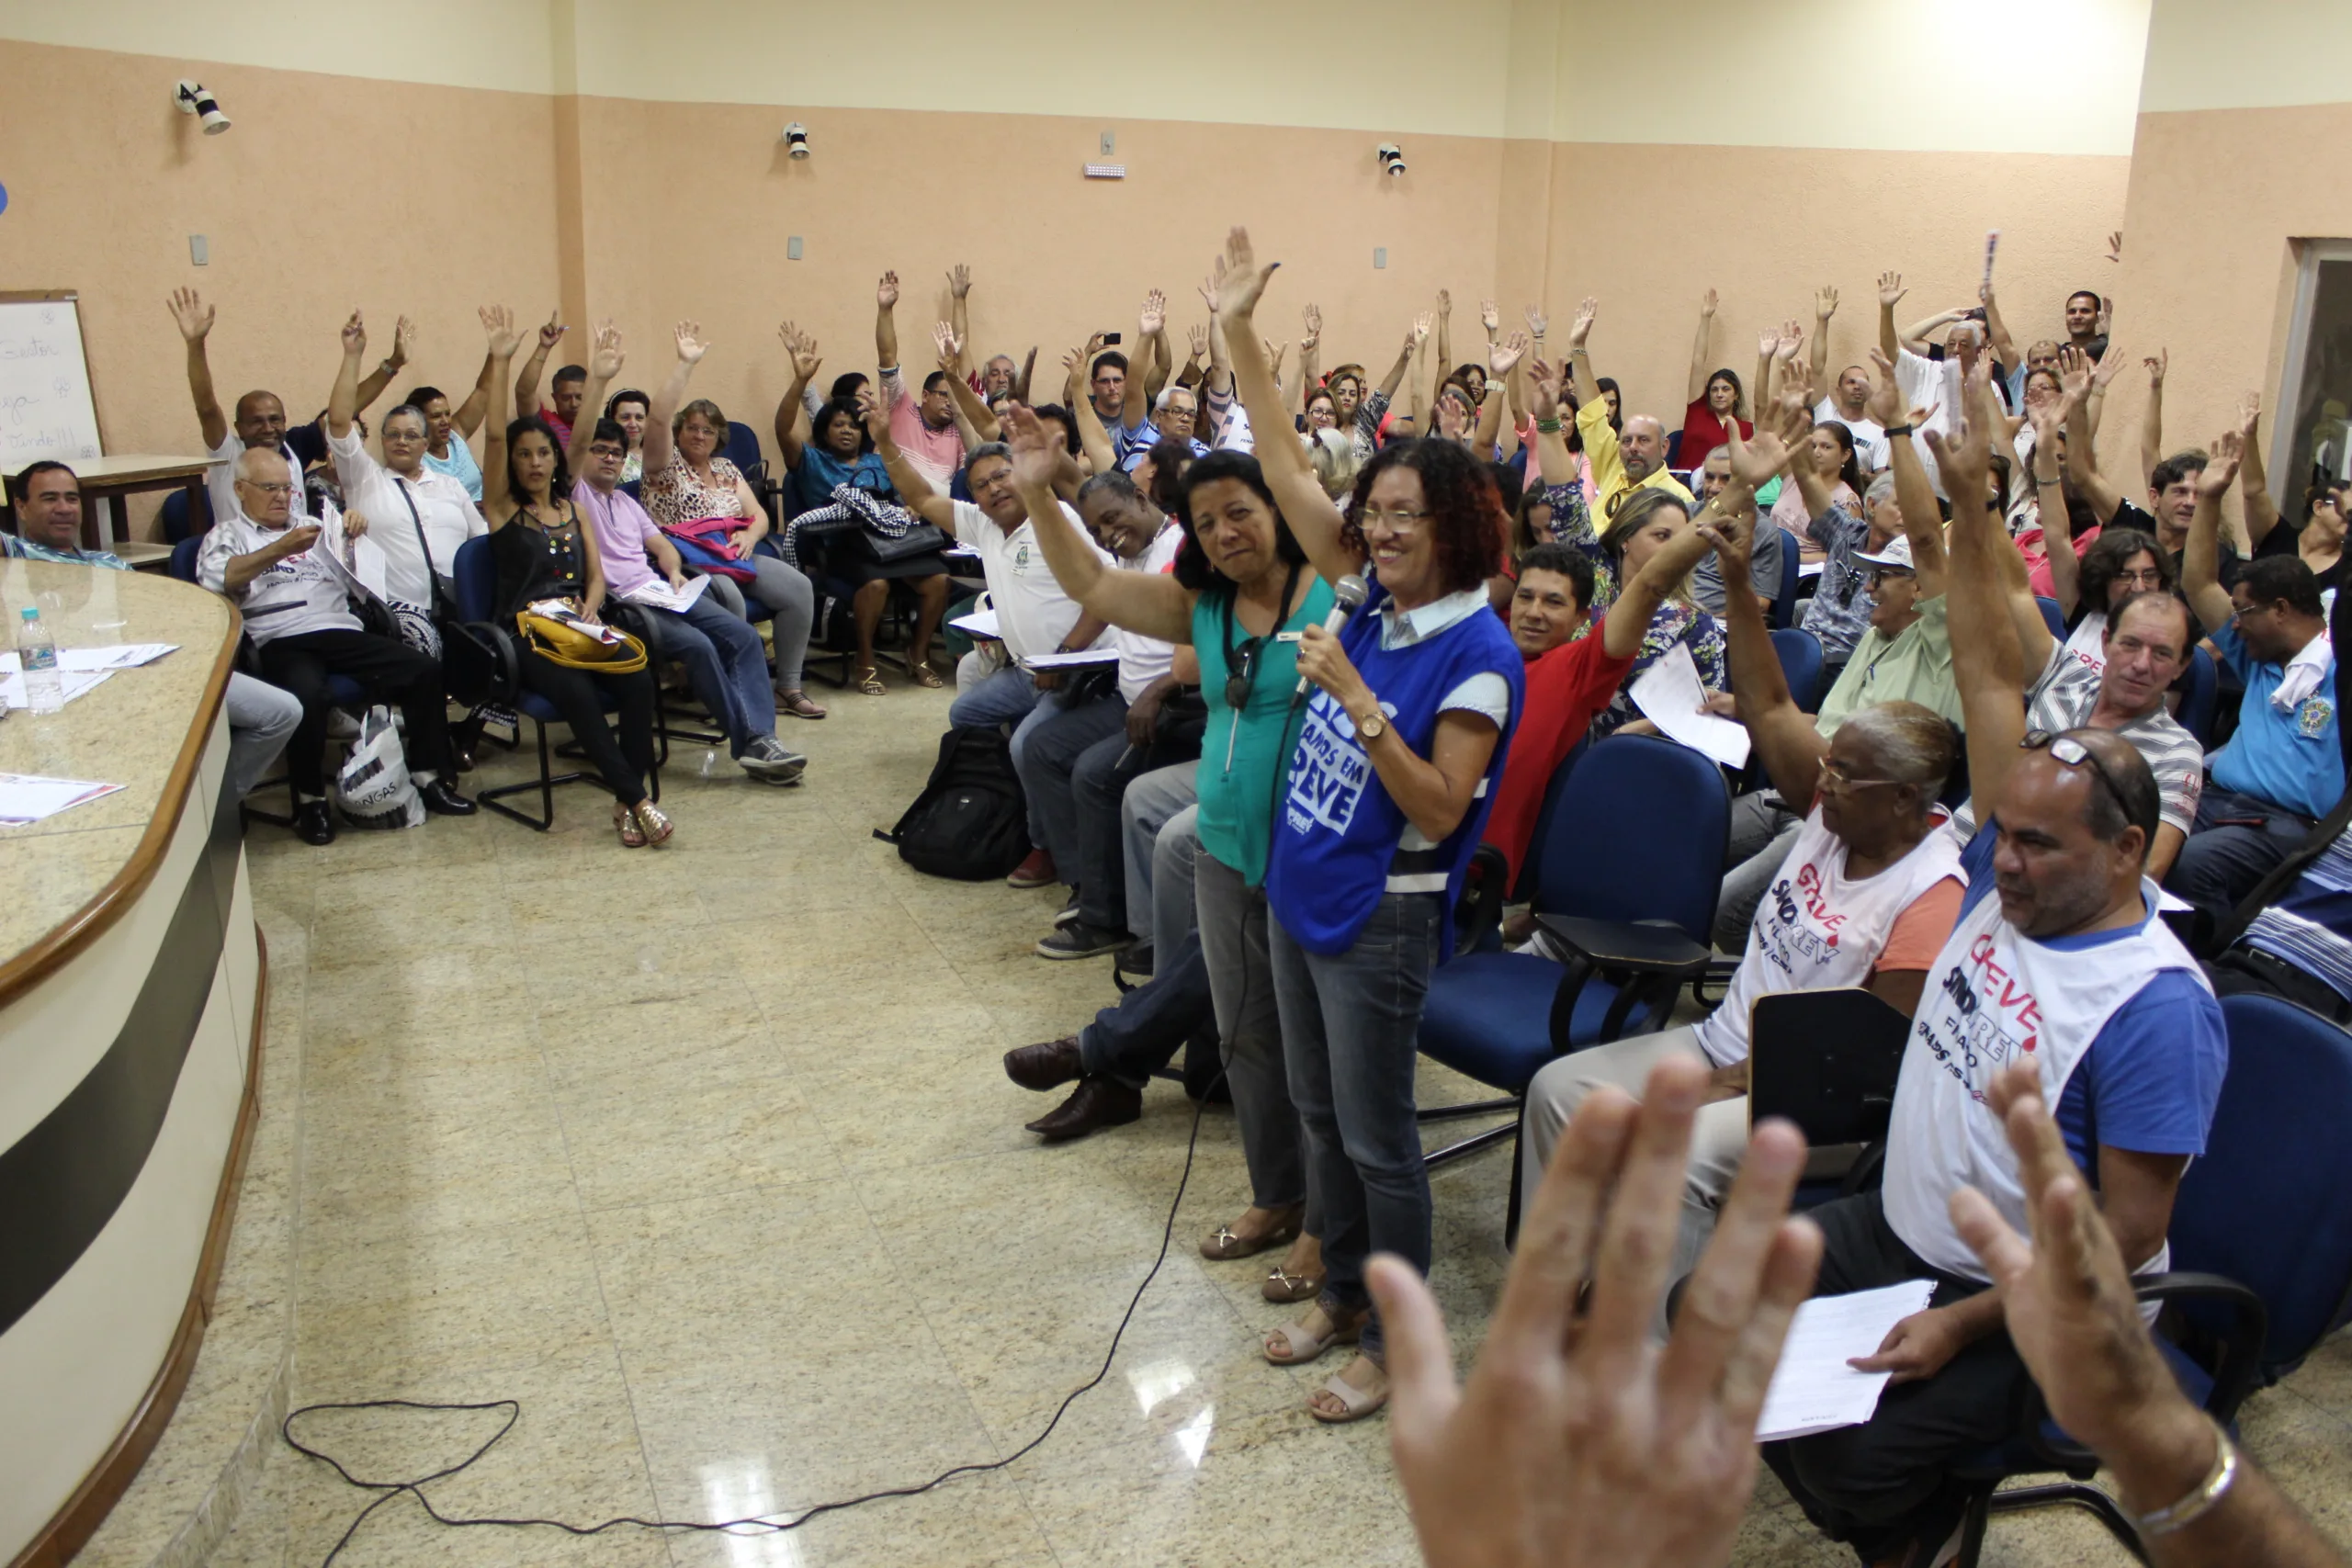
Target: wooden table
113,479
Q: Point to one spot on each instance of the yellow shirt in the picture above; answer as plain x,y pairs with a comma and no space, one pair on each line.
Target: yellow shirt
1609,466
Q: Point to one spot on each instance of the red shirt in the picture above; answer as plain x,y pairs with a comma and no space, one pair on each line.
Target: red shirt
1702,433
1565,688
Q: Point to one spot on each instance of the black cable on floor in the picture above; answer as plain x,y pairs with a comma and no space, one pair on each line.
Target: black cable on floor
416,1486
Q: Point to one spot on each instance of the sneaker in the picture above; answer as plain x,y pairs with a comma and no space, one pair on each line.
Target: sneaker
1066,914
1135,962
1078,939
766,760
1037,870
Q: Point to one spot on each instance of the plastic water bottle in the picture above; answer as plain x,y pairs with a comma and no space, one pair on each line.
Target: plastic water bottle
37,656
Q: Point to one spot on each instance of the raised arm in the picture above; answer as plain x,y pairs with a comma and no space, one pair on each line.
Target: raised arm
1443,318
498,325
886,324
914,491
792,412
1890,294
2254,490
1136,406
1785,739
1915,337
1698,379
194,318
604,361
1148,603
372,385
971,411
658,441
2152,418
1554,465
1028,369
469,413
1387,391
2082,444
1503,361
2200,559
1759,383
1996,331
343,400
959,290
1579,358
1914,495
1093,439
526,383
1986,665
1416,381
1825,305
1314,521
2050,501
1310,348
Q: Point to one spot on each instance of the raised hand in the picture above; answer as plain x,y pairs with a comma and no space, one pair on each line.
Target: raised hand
691,344
1792,338
1313,317
403,341
190,314
2249,415
1707,304
1490,318
2107,368
950,346
1543,389
1883,408
1889,289
1768,343
604,357
498,325
552,334
802,350
1035,447
886,292
1537,322
2073,371
1197,338
2115,245
2156,365
1502,355
1963,455
2221,467
1421,325
1756,458
875,413
1824,304
355,335
1733,538
959,280
1154,317
1095,343
1445,304
1588,312
1275,353
2107,315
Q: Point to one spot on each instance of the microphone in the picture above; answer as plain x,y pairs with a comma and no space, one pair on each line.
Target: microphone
1347,595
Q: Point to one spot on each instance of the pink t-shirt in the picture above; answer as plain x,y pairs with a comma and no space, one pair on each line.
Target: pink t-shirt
934,454
622,529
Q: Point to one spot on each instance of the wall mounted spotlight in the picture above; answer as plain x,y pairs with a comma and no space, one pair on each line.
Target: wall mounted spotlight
1392,158
796,139
194,97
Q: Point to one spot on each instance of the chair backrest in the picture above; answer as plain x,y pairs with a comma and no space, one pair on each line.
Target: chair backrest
1529,874
181,519
1784,603
1801,665
184,554
2264,1205
1827,1061
743,450
1674,448
2201,691
2051,615
1639,833
474,573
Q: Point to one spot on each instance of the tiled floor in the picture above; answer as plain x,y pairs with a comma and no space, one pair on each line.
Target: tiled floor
703,1154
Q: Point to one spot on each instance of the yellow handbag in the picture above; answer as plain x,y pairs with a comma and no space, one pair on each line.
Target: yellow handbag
553,630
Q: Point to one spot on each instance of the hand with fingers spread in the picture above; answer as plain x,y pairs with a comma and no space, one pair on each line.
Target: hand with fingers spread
950,347
1537,323
803,350
1575,1443
2105,369
1154,315
190,314
1508,353
1768,343
691,344
1543,389
1792,339
2075,370
875,413
1239,281
1733,538
886,292
604,357
1588,312
1489,316
1421,325
2221,467
2115,245
1197,340
1890,291
1884,407
1313,319
1824,304
498,325
959,280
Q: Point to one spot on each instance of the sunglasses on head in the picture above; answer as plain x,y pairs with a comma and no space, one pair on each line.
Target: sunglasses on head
2073,753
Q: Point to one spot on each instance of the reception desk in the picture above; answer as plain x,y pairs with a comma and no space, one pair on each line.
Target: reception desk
131,981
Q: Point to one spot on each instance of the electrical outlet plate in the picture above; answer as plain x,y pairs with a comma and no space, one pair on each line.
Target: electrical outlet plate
1110,142
199,250
1380,255
792,248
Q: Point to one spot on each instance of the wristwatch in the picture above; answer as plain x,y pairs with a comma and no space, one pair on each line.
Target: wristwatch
1371,726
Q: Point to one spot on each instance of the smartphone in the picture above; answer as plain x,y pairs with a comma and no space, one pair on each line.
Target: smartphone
1110,340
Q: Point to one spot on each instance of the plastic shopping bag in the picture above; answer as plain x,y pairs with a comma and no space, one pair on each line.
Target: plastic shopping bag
372,788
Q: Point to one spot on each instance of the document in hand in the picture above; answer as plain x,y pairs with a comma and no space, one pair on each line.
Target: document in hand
1813,1389
979,624
658,593
1069,661
564,611
1669,695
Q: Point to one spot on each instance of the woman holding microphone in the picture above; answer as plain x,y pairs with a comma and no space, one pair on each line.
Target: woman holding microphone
1404,735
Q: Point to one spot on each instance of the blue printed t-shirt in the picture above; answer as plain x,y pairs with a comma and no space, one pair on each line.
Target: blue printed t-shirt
820,471
2149,1083
2292,760
1340,843
1241,755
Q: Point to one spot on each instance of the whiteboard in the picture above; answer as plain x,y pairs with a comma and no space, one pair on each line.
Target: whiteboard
45,407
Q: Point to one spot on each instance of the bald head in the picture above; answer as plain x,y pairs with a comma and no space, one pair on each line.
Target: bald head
264,486
261,420
1642,445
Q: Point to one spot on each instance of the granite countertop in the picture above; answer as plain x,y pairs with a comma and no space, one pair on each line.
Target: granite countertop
129,731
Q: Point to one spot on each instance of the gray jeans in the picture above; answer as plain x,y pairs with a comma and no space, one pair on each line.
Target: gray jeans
262,718
1152,803
792,598
1762,832
1241,982
1349,1022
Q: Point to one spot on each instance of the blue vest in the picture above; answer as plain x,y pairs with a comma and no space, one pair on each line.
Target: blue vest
1337,840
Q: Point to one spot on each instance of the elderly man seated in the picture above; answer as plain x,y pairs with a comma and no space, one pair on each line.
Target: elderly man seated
297,611
48,520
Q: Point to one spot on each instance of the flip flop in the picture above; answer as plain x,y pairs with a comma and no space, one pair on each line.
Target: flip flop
1300,1347
870,681
1357,1402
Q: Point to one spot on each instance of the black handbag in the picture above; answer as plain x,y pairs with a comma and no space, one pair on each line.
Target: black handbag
921,539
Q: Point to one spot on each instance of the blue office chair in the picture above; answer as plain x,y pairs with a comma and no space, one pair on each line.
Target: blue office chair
742,449
2051,615
2201,691
184,551
485,662
1784,603
1674,449
2261,1251
1635,910
183,519
1801,665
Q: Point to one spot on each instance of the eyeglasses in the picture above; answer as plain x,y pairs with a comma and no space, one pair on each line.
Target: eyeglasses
2073,753
1391,523
267,488
1879,575
1244,674
1836,780
2148,577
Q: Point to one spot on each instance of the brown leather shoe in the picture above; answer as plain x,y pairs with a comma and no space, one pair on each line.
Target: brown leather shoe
1045,1066
1096,1102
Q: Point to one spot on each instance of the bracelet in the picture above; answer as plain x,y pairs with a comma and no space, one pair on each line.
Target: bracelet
1548,426
2207,1495
1895,430
2040,483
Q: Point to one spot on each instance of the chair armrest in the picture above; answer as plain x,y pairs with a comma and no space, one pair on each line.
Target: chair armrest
1480,913
483,661
1637,948
634,620
2237,1349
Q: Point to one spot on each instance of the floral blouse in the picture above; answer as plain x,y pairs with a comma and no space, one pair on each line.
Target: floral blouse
1677,621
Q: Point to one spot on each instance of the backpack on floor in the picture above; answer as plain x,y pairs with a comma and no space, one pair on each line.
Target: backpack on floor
971,821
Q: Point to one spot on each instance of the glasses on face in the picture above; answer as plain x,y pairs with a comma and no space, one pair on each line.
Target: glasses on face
267,488
1396,525
1836,780
606,450
2147,577
2073,753
1885,575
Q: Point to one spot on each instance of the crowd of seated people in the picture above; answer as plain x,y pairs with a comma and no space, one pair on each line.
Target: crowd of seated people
1272,661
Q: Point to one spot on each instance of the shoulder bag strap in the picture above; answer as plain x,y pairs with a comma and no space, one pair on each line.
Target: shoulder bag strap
440,608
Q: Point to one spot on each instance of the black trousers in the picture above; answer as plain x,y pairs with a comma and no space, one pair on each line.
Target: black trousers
625,765
1882,1485
388,671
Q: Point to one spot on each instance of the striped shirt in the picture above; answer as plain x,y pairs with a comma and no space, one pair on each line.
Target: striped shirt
2311,925
2064,699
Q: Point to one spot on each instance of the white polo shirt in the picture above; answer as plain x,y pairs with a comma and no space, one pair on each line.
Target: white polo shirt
1032,613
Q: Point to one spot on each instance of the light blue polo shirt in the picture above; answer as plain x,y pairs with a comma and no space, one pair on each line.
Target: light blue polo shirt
2292,760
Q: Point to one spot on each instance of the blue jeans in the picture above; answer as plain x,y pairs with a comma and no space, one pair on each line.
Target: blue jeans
2218,866
1349,1022
1151,805
726,667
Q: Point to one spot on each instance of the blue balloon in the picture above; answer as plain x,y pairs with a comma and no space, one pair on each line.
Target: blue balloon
3,199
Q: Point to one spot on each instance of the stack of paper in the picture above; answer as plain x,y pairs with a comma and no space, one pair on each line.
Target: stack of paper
658,593
27,797
120,656
980,623
1669,695
1813,1389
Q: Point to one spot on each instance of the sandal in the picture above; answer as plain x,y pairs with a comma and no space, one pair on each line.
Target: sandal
1223,1246
1301,1345
1285,1287
625,822
925,676
1355,1403
870,681
796,705
658,828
